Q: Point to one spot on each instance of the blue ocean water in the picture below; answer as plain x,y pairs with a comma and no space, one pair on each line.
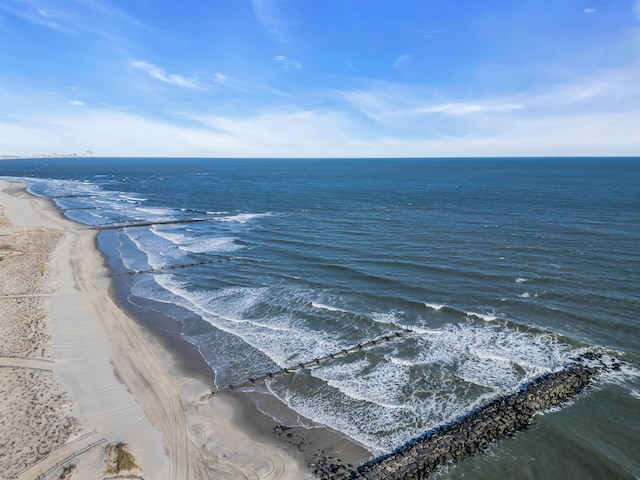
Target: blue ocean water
503,269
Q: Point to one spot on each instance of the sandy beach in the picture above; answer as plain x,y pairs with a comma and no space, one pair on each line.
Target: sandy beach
87,392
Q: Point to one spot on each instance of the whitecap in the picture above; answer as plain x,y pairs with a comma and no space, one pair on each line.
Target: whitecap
435,306
487,317
321,306
155,211
243,217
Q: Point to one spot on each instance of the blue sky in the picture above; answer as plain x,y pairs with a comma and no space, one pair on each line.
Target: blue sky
320,78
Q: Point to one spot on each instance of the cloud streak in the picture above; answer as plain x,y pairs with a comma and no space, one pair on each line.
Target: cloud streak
401,62
458,108
246,112
29,11
161,74
268,14
286,62
499,127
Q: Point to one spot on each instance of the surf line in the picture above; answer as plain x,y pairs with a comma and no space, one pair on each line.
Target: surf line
315,361
473,432
115,226
172,267
79,195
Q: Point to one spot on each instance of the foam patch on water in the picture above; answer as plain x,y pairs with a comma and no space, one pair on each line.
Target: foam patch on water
283,338
155,211
473,345
211,245
196,243
175,238
448,371
158,251
487,317
435,306
321,306
243,217
391,318
627,377
130,198
370,377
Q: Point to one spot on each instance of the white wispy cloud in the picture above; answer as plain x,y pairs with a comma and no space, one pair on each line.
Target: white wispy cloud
161,74
597,114
309,134
90,16
77,103
589,10
459,108
225,80
247,87
30,11
286,62
269,15
401,62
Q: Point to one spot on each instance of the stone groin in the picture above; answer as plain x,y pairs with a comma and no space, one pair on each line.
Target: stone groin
173,267
116,226
312,363
472,432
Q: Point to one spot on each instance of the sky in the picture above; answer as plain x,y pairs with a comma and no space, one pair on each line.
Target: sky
320,78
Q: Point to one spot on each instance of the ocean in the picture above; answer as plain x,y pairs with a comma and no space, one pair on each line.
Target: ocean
493,271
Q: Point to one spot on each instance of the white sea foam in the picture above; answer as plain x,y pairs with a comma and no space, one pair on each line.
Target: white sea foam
197,244
454,360
487,317
486,354
131,198
211,245
280,337
173,237
391,318
435,306
369,401
243,217
153,257
525,295
520,280
155,211
321,306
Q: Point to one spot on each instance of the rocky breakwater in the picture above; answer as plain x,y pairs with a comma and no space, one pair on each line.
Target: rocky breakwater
472,432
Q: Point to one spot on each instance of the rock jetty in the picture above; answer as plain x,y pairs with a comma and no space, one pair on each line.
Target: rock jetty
472,432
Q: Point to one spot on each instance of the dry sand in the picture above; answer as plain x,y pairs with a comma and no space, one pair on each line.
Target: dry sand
79,374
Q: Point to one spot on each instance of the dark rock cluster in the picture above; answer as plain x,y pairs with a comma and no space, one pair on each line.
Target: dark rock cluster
472,432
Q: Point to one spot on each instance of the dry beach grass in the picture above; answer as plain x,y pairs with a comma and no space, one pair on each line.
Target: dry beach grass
36,416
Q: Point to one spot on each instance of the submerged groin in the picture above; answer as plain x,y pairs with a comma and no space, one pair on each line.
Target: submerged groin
472,432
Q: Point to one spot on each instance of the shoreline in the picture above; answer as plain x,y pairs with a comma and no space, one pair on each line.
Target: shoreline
125,384
260,413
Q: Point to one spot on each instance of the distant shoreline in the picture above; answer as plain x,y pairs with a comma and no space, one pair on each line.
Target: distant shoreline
87,154
266,158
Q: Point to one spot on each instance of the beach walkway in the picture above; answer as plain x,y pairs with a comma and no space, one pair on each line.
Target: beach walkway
27,362
60,457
